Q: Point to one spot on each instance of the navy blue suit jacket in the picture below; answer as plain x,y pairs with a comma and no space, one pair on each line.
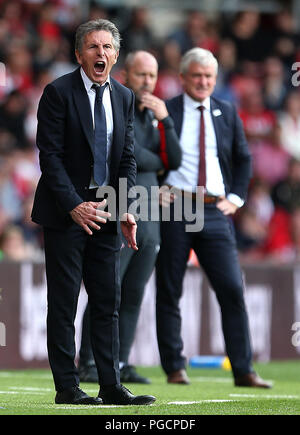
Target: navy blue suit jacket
65,141
233,152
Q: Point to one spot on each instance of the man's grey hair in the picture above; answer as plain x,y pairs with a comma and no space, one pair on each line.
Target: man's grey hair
198,55
94,26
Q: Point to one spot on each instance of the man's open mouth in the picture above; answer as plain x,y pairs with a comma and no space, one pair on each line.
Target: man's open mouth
99,67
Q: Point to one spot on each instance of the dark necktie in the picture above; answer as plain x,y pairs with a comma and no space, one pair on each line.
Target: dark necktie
100,136
202,164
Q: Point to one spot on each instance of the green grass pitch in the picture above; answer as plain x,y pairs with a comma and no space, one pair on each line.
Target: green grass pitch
211,393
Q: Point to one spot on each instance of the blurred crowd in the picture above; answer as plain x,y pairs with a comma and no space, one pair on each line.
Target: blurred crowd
258,71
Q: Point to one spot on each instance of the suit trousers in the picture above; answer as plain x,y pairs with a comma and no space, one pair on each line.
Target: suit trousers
216,250
136,268
72,256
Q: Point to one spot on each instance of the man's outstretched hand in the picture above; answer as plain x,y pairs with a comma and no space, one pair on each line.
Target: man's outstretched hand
87,214
129,227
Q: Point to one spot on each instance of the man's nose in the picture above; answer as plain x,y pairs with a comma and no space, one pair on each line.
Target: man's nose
100,51
147,81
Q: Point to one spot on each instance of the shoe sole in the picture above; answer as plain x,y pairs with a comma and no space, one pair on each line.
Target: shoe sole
81,402
135,402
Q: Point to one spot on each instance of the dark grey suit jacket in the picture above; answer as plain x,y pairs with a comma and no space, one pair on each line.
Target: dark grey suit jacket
65,141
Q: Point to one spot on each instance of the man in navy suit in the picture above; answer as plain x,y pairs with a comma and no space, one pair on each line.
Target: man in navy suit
85,139
215,156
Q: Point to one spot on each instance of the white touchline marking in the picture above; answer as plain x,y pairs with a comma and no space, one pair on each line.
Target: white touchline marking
210,379
30,389
21,375
265,396
201,401
23,392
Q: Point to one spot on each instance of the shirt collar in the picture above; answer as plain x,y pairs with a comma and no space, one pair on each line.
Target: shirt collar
88,83
193,104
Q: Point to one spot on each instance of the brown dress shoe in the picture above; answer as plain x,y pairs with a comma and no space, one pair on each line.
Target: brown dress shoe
251,380
178,377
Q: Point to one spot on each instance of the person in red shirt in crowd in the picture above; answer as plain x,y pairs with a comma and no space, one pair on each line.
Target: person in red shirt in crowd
258,121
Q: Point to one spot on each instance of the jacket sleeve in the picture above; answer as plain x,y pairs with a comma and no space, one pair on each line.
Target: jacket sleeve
50,141
170,150
127,168
241,159
169,154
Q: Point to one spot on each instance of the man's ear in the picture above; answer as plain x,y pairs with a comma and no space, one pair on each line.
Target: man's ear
116,56
78,57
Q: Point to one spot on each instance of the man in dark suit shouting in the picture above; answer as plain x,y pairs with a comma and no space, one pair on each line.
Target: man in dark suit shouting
215,156
85,138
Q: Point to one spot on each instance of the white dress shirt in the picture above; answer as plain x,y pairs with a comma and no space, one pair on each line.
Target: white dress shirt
108,114
186,176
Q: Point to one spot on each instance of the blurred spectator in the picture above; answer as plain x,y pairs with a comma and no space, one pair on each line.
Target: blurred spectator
12,117
192,34
61,63
245,79
250,233
286,38
13,246
168,82
260,201
258,121
286,193
253,219
18,62
32,232
275,85
283,240
270,160
26,172
290,124
10,203
252,43
42,78
138,35
97,11
12,13
226,56
47,27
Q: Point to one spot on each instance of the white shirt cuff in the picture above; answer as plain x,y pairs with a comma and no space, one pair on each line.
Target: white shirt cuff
235,199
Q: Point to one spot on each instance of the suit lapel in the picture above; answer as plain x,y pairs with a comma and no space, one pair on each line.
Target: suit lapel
118,132
117,104
175,108
82,103
216,115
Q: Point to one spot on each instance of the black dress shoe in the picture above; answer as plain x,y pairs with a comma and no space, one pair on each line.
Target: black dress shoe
251,380
75,396
120,395
88,373
129,374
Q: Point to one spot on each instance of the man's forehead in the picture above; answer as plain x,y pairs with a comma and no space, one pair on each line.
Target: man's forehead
196,66
98,36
